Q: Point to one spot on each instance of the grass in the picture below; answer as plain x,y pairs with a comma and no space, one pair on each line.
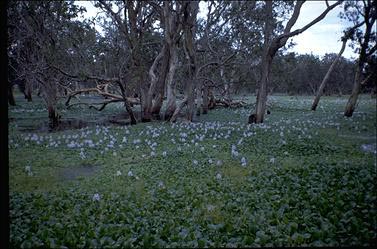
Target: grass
307,181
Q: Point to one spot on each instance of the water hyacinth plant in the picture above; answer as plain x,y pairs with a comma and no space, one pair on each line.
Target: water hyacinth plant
94,188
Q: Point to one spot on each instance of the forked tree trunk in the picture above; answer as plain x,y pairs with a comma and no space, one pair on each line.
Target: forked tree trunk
268,54
327,76
355,92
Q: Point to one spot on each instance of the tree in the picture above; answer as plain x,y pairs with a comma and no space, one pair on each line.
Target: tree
272,45
136,24
37,33
327,76
367,11
190,10
347,35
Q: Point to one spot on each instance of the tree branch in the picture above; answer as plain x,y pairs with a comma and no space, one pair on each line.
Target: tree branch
287,33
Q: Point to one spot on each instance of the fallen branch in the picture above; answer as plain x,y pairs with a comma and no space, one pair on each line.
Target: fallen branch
231,104
97,90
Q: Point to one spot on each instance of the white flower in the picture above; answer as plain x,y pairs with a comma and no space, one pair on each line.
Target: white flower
114,153
219,163
28,170
164,153
272,160
161,184
153,153
210,208
82,155
195,162
130,173
243,161
210,161
96,197
218,176
119,173
240,141
234,153
202,148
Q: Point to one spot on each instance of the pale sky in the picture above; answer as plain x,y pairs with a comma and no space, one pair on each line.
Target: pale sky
323,37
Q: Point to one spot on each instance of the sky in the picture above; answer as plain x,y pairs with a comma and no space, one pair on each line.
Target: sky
321,38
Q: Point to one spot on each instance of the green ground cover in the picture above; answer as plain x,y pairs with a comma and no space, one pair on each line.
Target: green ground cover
301,178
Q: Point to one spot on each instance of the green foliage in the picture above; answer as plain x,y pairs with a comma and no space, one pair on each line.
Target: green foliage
307,181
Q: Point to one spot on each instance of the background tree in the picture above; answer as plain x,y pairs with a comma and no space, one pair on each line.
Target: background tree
366,47
37,33
272,45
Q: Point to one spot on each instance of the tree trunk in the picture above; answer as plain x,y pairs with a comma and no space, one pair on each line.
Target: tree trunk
327,76
351,104
11,99
226,84
143,87
212,102
355,92
28,95
199,98
153,81
130,112
127,104
205,99
266,67
146,115
190,100
262,92
170,84
189,36
53,116
160,87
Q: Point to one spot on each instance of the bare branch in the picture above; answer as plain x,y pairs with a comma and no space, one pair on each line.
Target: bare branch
372,50
287,33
